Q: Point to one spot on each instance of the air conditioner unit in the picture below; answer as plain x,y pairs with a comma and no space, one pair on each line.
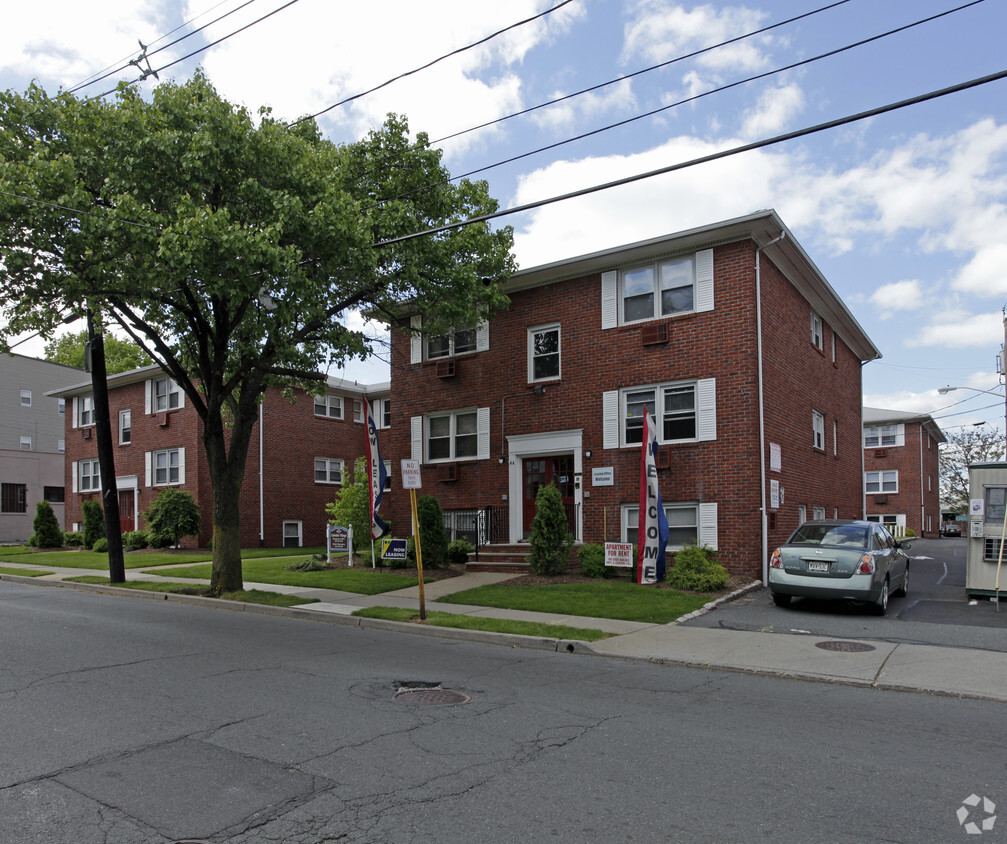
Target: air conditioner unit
85,433
163,419
447,472
880,499
651,335
446,368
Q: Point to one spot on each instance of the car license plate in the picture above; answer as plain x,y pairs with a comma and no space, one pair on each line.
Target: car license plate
815,565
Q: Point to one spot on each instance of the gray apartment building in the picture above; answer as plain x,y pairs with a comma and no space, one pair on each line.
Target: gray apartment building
32,441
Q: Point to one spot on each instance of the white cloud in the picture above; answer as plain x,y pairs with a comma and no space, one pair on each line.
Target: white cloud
615,99
986,274
898,296
958,329
774,111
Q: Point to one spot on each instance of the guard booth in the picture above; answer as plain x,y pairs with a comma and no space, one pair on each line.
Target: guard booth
987,510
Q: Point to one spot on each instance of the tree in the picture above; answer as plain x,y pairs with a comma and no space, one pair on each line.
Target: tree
550,533
230,249
352,507
93,518
120,355
173,514
970,445
46,527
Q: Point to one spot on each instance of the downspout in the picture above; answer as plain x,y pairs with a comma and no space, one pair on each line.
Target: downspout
262,505
923,506
764,516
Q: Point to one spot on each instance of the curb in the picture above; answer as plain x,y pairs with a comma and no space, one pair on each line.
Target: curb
733,596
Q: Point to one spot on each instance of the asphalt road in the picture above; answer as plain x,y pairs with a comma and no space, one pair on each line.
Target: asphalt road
133,720
935,612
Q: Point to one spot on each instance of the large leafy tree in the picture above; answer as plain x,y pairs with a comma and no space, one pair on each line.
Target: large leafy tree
963,448
120,355
229,247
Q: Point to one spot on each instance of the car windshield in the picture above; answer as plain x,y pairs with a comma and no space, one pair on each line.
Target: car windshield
849,535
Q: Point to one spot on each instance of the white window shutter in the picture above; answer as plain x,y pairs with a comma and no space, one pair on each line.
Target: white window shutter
73,473
416,436
148,388
706,401
76,414
704,280
416,341
708,524
483,433
610,419
147,472
900,434
610,299
181,395
181,465
483,337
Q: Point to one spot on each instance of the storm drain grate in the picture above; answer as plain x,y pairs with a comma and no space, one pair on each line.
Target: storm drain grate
431,697
845,647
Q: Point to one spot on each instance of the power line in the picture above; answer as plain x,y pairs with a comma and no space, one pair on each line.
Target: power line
59,207
685,101
716,156
430,63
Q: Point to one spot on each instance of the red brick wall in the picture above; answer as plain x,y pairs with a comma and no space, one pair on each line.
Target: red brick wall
918,497
720,344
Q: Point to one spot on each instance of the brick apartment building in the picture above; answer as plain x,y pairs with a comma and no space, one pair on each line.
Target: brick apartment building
31,442
901,470
299,453
728,333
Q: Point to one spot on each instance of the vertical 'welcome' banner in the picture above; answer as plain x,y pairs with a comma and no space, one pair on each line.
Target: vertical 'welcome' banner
652,530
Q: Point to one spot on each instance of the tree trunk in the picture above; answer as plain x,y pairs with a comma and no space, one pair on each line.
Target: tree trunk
226,574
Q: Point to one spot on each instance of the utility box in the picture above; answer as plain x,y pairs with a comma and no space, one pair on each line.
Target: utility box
987,511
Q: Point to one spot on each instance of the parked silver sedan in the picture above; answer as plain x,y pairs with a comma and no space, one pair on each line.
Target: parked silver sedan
840,559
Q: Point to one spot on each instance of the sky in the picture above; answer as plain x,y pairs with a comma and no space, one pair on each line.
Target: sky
904,213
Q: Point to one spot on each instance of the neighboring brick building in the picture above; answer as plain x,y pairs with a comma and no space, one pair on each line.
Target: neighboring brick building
757,394
901,470
31,442
302,449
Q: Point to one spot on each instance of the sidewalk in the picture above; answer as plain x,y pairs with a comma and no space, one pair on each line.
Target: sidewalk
959,672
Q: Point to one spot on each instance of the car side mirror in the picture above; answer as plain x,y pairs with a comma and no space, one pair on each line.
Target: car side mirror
903,545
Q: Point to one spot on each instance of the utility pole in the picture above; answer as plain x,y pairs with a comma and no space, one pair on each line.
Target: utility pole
95,359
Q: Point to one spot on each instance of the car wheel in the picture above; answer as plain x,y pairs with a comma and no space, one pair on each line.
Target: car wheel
904,590
781,600
880,606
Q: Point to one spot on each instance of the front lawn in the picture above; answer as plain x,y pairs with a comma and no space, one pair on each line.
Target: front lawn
251,596
23,572
361,580
493,625
131,559
601,599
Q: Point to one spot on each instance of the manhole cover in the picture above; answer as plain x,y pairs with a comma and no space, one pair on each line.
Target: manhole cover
431,697
845,647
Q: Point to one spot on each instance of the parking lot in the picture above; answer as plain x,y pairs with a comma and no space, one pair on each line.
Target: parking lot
935,612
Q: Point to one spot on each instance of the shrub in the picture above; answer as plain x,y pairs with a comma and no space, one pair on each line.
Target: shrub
592,561
170,516
352,507
134,540
433,538
697,570
47,532
73,539
459,550
100,545
94,522
32,541
550,533
316,562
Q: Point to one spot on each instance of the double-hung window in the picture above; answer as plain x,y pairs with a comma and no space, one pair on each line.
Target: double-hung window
13,498
674,409
328,470
329,406
452,436
884,481
85,410
167,466
884,435
543,353
125,427
818,429
166,395
656,290
688,524
25,442
816,331
452,343
26,398
461,341
89,476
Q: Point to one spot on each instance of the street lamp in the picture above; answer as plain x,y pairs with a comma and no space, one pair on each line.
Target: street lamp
945,390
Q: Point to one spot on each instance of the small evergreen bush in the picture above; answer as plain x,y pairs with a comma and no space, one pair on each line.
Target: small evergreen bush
170,516
459,550
697,569
47,532
592,561
100,546
32,541
134,540
550,534
433,537
94,522
73,539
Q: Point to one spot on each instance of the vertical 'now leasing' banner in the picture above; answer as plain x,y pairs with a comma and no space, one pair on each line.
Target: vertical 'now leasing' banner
652,531
376,474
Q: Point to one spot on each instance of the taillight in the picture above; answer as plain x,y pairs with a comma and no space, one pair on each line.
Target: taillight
866,565
776,562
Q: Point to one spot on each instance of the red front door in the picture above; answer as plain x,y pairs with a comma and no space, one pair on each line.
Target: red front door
541,471
127,510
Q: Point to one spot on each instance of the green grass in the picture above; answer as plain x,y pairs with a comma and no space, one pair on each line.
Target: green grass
605,599
251,596
132,560
23,572
493,625
361,579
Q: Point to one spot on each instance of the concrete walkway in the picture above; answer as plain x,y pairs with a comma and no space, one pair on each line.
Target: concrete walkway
875,664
